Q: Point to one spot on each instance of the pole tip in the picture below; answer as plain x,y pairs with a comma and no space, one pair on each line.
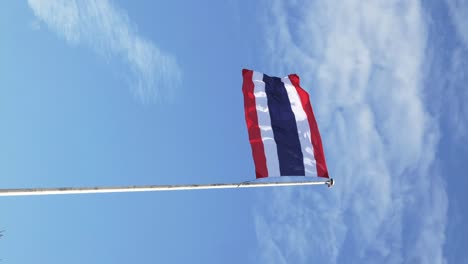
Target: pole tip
330,183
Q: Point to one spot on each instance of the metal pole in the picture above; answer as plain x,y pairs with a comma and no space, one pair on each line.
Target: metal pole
152,188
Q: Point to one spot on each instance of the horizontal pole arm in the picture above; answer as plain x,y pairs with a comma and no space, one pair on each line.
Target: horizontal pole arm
151,188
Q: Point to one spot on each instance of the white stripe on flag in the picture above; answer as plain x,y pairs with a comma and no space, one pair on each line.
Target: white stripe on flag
264,122
303,128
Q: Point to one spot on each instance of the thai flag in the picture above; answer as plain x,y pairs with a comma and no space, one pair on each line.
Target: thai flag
282,129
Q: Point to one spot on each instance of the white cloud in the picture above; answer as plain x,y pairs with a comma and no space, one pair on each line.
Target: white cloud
362,62
109,32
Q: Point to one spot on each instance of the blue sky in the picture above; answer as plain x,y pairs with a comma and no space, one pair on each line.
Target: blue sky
119,92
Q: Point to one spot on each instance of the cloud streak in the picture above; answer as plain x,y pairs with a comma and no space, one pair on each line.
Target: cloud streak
454,89
363,63
109,32
459,15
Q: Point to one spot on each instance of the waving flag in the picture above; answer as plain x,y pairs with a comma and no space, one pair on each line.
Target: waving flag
282,129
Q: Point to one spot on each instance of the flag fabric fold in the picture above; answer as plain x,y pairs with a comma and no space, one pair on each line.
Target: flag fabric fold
282,129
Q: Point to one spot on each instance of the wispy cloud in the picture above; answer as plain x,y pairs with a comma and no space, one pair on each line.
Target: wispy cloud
455,87
362,62
108,31
459,14
35,25
454,94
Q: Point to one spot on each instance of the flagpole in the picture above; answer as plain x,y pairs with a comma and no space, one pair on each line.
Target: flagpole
152,188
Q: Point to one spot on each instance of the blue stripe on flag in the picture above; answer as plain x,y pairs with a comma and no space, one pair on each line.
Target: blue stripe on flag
283,122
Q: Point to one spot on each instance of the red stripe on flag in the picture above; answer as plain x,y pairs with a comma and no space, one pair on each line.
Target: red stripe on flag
319,155
258,150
